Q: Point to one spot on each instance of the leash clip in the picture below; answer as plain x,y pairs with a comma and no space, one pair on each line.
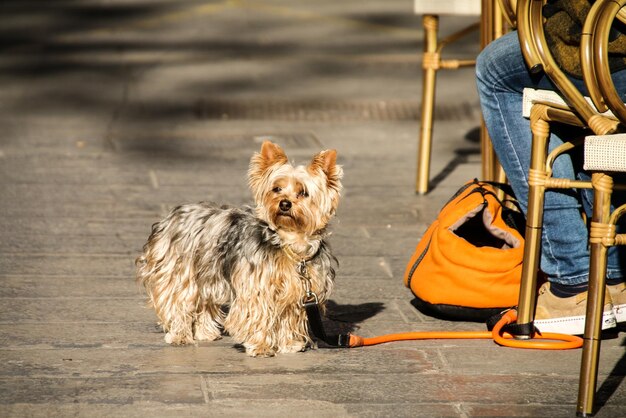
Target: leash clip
302,270
309,295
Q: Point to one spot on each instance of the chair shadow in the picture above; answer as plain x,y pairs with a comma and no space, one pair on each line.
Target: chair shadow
613,380
461,157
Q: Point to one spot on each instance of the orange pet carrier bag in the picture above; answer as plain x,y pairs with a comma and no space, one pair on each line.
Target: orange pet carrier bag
468,264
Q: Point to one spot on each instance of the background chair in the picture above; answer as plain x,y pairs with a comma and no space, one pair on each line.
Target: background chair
491,26
431,63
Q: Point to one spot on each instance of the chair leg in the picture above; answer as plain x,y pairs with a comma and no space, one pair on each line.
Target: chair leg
491,28
487,154
499,175
600,228
430,66
534,225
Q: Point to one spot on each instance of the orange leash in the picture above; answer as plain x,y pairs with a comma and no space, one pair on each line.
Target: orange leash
548,340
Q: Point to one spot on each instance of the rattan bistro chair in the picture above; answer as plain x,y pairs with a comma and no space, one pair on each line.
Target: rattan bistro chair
432,62
605,154
494,15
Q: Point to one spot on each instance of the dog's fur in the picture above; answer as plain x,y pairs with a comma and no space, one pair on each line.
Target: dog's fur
210,269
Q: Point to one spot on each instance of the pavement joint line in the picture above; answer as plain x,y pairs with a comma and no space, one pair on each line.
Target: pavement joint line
71,347
206,391
285,12
67,276
399,311
444,361
50,276
207,8
138,297
154,181
174,57
210,8
120,237
458,407
418,318
123,254
308,15
382,263
117,111
34,322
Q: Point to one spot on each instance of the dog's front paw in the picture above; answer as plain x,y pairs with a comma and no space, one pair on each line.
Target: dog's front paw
292,347
207,326
260,351
176,339
203,335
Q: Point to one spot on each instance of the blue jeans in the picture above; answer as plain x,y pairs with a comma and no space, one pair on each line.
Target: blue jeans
501,77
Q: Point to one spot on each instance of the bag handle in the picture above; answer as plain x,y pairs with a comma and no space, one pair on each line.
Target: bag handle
506,188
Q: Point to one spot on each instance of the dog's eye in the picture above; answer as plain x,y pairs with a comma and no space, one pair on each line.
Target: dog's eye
303,193
277,190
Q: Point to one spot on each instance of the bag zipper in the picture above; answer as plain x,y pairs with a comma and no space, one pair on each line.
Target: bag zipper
419,260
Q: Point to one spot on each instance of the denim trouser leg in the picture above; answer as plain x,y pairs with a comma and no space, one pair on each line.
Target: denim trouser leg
501,77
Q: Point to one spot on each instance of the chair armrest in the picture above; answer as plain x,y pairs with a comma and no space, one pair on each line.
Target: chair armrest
605,153
551,98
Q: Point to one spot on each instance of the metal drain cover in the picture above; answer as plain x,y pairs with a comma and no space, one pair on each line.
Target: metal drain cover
202,145
329,111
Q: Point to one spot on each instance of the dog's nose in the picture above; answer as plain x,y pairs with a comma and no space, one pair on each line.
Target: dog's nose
284,205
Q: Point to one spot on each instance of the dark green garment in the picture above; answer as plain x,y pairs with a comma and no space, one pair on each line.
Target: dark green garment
563,26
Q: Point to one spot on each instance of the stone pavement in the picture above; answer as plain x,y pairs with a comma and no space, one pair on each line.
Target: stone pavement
114,111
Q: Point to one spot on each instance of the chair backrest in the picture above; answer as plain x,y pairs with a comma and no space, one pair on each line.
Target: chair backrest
587,58
508,11
530,18
594,61
598,50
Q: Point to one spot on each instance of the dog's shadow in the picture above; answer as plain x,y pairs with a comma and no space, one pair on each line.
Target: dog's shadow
342,319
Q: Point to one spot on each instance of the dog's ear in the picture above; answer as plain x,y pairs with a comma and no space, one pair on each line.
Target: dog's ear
326,161
270,155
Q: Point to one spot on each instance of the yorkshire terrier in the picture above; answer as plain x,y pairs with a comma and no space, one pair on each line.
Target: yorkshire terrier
246,271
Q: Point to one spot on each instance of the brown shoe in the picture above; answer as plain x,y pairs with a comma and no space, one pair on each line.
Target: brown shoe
618,298
567,315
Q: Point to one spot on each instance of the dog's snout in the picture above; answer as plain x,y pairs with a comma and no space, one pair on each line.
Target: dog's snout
284,205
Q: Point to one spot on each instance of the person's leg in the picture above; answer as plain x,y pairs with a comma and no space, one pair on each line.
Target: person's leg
501,77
